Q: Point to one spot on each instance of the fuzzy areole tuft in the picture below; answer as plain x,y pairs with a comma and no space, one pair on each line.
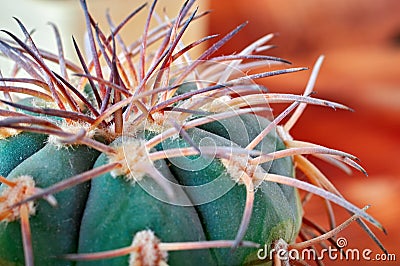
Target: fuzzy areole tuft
15,191
148,252
133,156
8,132
79,129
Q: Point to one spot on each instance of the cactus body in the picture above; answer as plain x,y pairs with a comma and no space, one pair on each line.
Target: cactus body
14,150
176,154
54,230
110,221
275,215
117,209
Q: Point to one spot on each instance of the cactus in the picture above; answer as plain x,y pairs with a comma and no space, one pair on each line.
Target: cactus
151,158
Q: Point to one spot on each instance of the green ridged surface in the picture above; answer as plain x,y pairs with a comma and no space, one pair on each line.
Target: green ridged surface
274,216
54,230
242,130
117,209
14,150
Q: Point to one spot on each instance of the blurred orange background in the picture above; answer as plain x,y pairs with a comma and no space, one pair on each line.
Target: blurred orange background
361,43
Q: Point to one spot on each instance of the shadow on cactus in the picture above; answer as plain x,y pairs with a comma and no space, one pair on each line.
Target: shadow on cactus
150,157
